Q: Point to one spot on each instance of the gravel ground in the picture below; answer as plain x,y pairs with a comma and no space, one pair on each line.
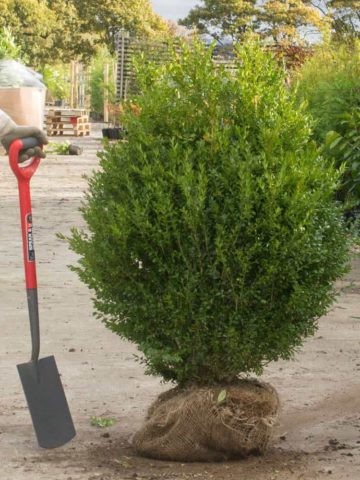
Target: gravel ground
318,435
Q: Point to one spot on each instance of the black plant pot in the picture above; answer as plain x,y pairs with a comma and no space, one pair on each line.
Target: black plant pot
115,133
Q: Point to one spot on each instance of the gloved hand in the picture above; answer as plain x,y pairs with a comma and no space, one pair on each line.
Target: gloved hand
23,132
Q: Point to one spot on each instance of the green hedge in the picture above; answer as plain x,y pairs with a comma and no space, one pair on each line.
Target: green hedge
212,238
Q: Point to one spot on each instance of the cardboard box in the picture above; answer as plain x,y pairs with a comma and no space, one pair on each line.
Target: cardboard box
24,105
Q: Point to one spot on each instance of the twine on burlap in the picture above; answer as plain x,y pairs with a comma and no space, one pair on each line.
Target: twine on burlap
209,424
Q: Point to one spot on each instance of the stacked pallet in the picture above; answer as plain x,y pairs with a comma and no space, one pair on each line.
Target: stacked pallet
67,122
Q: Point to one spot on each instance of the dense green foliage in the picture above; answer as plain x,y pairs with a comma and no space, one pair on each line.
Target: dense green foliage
8,47
57,81
329,83
105,18
223,17
278,21
345,19
212,239
97,81
51,31
344,147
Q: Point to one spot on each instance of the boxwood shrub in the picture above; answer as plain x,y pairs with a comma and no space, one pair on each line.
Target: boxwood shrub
213,239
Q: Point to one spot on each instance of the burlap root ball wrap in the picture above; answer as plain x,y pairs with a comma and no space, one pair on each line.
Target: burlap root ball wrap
195,426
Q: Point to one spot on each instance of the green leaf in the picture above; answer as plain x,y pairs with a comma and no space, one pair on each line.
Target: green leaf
102,422
335,142
221,396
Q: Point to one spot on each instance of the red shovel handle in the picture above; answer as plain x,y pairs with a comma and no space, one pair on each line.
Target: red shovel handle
24,174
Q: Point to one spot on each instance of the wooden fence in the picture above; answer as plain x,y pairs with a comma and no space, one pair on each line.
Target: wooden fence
289,57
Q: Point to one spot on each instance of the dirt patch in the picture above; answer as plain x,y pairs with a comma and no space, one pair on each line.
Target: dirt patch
116,461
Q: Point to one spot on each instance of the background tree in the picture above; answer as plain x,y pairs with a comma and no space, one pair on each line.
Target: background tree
223,17
31,23
345,18
69,40
105,18
49,31
285,21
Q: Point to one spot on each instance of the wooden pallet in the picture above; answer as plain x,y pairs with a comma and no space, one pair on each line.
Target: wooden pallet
67,112
67,123
66,132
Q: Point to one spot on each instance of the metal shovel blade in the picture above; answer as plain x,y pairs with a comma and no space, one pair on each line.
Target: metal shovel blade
47,403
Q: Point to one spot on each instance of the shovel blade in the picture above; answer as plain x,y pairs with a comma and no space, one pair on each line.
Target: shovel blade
47,403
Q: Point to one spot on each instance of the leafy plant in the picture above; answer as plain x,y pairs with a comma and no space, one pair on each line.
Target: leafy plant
8,47
329,84
345,149
222,396
58,148
57,80
102,422
97,82
213,238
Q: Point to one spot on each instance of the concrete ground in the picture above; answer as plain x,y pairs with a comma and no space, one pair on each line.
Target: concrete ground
318,435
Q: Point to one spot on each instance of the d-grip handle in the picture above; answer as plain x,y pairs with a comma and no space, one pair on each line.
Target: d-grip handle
23,172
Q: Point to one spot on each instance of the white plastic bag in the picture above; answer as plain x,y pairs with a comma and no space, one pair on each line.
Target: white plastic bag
22,93
14,74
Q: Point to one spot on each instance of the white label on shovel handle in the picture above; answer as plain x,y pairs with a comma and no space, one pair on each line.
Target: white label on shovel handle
30,239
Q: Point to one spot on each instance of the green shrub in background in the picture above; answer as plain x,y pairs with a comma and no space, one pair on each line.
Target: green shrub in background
8,47
213,238
329,84
57,81
97,83
344,146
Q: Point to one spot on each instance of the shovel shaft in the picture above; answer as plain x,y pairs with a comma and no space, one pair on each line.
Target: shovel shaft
29,265
27,233
24,175
32,298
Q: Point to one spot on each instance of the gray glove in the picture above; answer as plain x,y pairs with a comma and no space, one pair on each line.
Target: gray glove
23,132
